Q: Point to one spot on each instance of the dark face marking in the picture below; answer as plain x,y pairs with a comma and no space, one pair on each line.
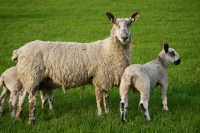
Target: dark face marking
171,53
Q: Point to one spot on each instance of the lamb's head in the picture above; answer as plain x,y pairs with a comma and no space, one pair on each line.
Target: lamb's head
170,55
122,26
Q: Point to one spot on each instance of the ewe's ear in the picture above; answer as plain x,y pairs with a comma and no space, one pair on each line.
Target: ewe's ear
111,17
135,16
165,46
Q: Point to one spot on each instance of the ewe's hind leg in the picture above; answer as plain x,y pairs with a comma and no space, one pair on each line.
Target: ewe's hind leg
12,102
106,101
99,100
144,98
5,93
21,98
164,97
32,107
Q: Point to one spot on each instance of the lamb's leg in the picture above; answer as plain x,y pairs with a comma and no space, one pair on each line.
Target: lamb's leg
12,102
21,98
144,98
49,94
106,101
5,93
123,103
164,97
124,89
43,98
32,107
99,100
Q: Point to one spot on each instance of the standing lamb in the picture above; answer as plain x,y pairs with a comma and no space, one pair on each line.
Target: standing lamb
142,78
13,87
72,64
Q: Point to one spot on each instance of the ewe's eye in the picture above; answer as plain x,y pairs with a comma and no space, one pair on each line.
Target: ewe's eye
172,53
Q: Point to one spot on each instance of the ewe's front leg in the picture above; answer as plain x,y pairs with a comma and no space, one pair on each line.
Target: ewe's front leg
99,100
106,101
21,98
32,107
164,97
5,93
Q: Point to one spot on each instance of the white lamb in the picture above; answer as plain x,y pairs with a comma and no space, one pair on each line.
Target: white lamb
142,78
13,87
72,64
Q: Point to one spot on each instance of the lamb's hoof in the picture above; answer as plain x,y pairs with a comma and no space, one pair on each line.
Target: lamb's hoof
31,121
123,121
148,119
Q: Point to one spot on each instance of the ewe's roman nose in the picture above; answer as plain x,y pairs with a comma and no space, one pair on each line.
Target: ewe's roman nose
125,38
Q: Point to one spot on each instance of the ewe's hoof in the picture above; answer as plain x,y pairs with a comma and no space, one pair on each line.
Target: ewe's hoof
31,121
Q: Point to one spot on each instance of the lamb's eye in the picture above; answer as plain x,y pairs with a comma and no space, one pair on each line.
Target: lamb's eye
172,53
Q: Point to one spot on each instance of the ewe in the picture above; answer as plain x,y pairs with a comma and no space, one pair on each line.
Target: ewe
13,87
72,64
142,78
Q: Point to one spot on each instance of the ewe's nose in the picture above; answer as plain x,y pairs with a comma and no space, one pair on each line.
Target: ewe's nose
125,38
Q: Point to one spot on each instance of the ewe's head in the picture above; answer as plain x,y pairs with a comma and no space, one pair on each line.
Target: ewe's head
122,26
170,54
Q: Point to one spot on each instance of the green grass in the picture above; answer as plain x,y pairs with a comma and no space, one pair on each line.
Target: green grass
176,22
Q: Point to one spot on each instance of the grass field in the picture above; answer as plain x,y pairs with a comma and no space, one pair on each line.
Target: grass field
176,22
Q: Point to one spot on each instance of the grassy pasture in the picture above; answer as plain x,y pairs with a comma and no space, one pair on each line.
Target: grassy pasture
176,22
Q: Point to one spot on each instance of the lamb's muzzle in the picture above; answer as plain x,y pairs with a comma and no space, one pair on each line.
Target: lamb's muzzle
177,62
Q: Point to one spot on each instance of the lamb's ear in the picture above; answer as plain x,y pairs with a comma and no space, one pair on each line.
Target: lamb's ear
165,46
135,16
111,17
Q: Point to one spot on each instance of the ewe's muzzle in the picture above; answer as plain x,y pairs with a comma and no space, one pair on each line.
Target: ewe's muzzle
177,62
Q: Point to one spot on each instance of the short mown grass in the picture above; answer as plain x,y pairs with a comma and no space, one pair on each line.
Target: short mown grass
176,22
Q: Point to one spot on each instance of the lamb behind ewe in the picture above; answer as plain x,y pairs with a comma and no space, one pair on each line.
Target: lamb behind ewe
13,87
142,78
72,64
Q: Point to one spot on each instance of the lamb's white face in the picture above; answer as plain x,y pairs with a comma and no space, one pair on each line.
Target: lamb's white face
122,27
173,56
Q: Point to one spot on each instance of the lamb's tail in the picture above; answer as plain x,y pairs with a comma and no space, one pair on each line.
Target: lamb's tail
1,82
15,55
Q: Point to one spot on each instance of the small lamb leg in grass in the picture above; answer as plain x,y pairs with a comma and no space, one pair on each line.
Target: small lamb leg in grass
12,102
5,93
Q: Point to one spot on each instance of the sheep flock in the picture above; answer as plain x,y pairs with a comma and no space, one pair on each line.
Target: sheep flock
47,65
